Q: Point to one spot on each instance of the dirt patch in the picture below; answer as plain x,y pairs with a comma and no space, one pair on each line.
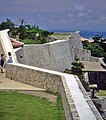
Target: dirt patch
52,98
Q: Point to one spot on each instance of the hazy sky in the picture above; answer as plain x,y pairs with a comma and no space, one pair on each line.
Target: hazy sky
57,14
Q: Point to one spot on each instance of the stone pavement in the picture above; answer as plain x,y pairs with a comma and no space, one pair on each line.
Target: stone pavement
7,84
93,66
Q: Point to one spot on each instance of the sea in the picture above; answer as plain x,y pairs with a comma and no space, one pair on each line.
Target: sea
89,34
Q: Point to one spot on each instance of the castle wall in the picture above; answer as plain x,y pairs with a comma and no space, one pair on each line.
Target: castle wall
54,56
76,102
75,41
6,44
83,54
57,55
1,48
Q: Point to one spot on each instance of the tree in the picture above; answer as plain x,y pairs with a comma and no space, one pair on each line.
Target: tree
97,38
77,67
25,32
22,21
7,25
85,43
95,49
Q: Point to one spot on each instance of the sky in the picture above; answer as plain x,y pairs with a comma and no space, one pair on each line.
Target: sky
81,15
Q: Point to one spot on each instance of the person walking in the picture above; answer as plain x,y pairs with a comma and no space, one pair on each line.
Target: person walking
2,61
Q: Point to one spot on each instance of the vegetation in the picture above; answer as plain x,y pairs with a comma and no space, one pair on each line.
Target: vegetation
25,32
102,93
97,48
97,38
18,106
61,35
77,70
77,67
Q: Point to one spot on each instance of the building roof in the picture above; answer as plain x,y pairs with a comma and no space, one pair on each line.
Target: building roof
16,43
84,39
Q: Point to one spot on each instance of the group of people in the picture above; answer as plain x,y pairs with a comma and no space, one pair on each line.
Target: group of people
3,61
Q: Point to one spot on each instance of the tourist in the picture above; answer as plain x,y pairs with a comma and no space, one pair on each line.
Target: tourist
2,62
9,60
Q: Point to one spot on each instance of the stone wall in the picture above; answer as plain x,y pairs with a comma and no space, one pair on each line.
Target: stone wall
57,55
82,54
1,49
52,56
56,82
20,55
28,75
75,40
102,102
68,103
6,44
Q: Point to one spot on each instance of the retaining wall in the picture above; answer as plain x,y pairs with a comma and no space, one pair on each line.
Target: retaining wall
56,82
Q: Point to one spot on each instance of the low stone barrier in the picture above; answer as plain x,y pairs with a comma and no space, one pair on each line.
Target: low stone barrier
72,96
102,102
103,64
37,77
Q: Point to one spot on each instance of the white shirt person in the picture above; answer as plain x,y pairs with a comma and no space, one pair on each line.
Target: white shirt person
9,60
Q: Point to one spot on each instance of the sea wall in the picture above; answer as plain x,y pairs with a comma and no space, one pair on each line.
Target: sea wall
77,104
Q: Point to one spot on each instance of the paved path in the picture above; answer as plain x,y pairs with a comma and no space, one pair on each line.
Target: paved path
7,84
92,66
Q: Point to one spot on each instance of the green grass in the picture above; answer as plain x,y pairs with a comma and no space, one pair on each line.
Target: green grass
61,36
102,93
18,106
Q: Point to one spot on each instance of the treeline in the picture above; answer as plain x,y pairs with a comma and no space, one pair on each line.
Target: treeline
97,47
24,32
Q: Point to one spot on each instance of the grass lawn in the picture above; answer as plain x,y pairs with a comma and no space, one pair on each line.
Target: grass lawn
61,36
102,93
18,106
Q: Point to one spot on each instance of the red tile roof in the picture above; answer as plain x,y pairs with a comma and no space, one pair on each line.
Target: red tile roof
16,43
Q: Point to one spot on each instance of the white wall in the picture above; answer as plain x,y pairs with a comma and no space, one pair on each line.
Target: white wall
6,44
57,55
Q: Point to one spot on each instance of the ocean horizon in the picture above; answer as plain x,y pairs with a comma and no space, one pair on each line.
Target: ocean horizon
90,34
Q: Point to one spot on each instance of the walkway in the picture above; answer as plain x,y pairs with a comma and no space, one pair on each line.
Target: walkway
7,84
93,66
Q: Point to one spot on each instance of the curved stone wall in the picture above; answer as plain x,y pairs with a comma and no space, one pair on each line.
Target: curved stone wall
6,44
76,102
57,55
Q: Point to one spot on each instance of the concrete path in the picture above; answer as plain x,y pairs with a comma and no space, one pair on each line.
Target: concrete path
93,66
7,84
